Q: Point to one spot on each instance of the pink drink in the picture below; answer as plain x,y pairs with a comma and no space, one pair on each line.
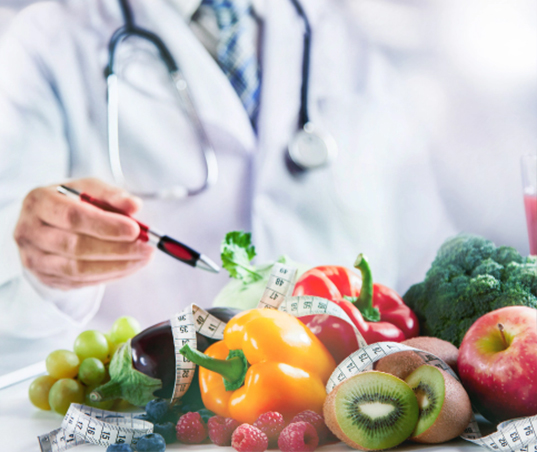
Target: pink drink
530,203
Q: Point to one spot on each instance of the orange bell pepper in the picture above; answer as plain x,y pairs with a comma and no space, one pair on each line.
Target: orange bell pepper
268,361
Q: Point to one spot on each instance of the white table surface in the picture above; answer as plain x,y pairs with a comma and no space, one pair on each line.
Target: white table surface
21,423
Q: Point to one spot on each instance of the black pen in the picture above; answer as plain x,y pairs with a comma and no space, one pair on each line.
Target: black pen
164,243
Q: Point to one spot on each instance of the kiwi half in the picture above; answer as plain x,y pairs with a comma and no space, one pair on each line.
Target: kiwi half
445,409
371,411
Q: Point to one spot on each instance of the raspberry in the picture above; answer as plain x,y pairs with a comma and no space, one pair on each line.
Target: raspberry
156,409
271,424
298,437
119,448
153,442
317,421
247,438
220,429
191,429
167,430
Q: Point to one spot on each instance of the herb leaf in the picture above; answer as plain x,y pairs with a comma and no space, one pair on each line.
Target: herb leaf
236,252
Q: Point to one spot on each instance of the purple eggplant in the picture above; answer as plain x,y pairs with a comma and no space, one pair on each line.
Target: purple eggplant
145,368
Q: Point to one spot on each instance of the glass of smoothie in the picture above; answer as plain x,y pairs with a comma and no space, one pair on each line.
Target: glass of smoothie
529,181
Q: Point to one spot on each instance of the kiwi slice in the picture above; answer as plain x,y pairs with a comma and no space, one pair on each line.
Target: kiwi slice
371,411
445,409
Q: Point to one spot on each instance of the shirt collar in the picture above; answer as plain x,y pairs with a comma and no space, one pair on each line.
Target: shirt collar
187,8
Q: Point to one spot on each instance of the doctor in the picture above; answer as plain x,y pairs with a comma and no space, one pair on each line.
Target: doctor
64,263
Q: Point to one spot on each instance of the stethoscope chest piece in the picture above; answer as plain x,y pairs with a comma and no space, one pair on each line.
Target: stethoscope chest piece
312,148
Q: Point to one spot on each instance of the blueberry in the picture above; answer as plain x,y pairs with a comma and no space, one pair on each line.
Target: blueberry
205,414
156,409
119,448
144,417
153,442
173,415
167,430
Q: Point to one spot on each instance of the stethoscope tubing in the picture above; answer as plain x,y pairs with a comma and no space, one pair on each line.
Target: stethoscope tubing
303,117
127,30
306,133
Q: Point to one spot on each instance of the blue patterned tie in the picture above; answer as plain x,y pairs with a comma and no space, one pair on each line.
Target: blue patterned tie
236,51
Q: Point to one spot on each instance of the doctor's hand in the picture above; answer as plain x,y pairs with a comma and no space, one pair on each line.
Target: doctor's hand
70,244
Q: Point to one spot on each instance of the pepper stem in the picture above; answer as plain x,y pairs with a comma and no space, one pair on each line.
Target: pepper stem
365,301
233,369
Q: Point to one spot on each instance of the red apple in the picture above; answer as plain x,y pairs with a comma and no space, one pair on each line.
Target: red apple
498,363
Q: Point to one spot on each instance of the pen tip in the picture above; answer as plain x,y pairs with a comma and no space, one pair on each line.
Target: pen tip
207,264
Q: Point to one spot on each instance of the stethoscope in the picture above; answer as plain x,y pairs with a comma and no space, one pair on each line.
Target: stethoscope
309,148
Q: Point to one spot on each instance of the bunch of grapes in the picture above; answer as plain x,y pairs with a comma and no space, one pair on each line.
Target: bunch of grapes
72,375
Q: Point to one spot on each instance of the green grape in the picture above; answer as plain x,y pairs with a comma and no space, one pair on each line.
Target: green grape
39,390
112,347
63,393
62,364
91,344
124,328
91,371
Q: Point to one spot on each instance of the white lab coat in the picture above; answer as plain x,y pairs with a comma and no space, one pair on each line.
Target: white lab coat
379,197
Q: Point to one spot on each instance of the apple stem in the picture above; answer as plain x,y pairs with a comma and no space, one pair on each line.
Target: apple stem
501,328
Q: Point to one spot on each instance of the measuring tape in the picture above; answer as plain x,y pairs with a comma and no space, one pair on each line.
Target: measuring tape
84,424
309,305
185,325
513,435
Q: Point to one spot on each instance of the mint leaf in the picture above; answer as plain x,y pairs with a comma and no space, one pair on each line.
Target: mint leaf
236,252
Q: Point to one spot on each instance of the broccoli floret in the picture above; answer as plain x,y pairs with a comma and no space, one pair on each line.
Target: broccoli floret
469,277
489,267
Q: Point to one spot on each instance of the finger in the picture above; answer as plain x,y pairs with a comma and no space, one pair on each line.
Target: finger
52,240
58,210
74,270
115,196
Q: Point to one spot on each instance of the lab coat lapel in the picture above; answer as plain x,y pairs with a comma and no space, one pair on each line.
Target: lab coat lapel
215,99
281,69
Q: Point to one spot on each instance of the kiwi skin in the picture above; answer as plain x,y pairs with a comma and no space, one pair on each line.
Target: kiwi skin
454,417
402,364
330,415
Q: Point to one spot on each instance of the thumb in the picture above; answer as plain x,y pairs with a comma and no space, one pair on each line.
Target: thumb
115,196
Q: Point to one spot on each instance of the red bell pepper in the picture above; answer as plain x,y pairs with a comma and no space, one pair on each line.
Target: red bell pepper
336,334
377,311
